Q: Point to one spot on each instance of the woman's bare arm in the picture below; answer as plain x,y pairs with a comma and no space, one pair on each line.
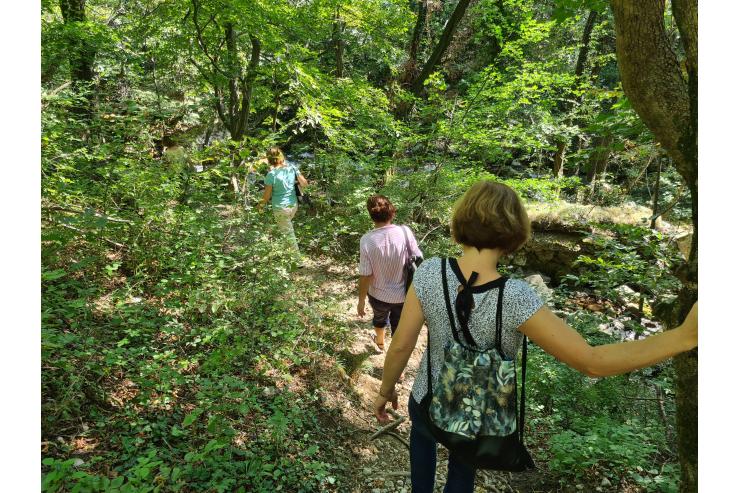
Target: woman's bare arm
302,180
558,339
266,195
403,342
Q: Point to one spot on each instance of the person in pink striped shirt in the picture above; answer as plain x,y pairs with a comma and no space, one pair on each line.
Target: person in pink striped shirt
383,254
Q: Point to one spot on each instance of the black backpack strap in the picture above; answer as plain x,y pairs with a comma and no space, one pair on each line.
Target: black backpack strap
429,361
499,331
446,291
296,186
520,425
499,315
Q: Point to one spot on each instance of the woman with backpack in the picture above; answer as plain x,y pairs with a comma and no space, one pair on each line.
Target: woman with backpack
487,310
384,252
280,192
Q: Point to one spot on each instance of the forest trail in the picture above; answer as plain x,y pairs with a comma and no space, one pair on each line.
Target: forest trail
381,465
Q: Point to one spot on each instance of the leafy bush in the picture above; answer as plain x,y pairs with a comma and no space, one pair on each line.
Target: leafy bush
599,446
633,255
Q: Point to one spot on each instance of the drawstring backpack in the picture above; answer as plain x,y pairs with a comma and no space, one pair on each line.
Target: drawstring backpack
473,408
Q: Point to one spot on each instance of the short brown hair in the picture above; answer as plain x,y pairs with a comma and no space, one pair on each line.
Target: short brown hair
490,215
380,208
275,155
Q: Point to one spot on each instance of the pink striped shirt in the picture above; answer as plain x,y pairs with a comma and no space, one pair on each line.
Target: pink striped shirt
383,255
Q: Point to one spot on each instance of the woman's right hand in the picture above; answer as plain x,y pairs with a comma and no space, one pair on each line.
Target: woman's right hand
379,406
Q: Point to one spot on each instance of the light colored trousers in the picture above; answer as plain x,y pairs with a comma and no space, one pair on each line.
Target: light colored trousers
284,220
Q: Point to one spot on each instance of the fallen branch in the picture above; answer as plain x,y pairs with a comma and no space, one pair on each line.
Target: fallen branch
399,438
490,477
389,427
110,242
79,211
54,93
398,474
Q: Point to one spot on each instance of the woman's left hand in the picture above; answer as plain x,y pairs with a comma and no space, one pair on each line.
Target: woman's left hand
379,406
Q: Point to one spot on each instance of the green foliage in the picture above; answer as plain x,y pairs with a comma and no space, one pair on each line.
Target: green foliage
633,255
171,322
599,428
569,8
602,447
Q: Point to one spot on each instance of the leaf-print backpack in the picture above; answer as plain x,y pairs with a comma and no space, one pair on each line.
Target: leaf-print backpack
472,410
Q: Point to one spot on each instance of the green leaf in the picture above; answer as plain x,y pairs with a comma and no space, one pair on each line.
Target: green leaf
51,275
190,418
312,450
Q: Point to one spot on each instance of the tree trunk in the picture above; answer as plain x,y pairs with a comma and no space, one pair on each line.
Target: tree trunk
666,100
585,41
653,80
232,98
81,53
411,68
417,85
575,142
559,160
599,158
338,45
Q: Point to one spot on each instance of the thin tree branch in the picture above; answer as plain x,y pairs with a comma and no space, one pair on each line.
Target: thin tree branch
79,211
673,203
388,428
78,230
201,42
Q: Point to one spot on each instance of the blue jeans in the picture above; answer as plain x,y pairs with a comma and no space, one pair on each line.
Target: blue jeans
460,477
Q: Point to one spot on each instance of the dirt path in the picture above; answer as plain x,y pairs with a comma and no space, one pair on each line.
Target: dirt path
380,465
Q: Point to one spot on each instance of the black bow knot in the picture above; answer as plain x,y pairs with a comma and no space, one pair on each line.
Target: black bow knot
464,304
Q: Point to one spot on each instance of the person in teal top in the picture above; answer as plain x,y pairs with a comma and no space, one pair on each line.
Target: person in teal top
280,191
282,180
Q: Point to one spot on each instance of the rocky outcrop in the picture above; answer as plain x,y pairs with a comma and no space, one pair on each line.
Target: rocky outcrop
551,253
539,284
559,233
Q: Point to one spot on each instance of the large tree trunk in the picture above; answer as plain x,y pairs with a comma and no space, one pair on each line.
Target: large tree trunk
417,85
410,70
666,99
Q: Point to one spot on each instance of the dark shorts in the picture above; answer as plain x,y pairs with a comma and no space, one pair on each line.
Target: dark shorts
385,313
